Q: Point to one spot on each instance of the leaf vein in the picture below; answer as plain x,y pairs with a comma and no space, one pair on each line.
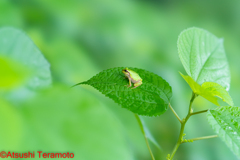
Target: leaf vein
211,53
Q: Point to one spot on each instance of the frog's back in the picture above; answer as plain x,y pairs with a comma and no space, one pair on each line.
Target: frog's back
135,76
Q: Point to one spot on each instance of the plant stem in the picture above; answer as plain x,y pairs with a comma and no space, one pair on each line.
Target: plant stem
184,121
200,138
199,112
175,113
190,105
142,129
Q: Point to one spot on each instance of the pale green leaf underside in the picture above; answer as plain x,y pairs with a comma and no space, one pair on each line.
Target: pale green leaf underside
17,46
226,123
146,131
209,90
150,99
203,57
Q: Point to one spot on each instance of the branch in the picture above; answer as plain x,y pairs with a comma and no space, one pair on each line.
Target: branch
199,112
174,112
199,138
184,121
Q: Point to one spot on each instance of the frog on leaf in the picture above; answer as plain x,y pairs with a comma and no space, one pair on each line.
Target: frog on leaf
132,77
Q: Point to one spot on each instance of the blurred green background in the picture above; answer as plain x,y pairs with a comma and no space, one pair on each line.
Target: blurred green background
80,38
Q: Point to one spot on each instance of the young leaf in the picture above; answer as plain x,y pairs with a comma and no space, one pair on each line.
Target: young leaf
203,57
150,99
217,90
226,123
209,90
196,88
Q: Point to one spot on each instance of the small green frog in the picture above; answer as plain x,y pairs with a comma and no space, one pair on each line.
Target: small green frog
132,77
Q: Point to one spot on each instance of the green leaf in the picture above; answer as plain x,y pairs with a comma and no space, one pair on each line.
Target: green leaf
12,73
18,47
203,57
226,123
217,90
151,98
209,90
196,88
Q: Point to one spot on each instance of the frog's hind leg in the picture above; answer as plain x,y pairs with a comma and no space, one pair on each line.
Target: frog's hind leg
138,83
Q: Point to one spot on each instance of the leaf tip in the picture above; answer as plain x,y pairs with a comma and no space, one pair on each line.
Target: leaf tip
85,82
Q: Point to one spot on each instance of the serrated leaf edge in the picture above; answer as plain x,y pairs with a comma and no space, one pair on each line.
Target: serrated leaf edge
106,95
222,134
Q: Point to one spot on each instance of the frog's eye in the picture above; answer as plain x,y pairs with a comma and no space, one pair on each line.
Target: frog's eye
125,70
